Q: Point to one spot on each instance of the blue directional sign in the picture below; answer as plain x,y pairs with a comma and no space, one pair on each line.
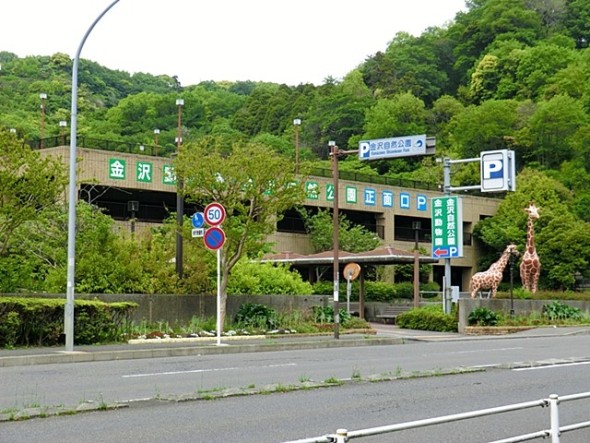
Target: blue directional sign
405,146
198,220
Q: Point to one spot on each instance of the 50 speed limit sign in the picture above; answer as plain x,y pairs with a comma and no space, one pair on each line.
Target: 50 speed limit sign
214,214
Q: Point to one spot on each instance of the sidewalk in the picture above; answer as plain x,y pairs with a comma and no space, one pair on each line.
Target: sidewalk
385,335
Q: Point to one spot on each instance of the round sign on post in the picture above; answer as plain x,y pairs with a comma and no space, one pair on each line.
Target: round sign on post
198,220
214,238
352,271
214,214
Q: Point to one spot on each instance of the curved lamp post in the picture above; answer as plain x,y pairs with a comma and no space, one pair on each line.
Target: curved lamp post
179,196
69,307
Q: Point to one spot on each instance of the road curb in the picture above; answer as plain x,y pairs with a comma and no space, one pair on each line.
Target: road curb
59,357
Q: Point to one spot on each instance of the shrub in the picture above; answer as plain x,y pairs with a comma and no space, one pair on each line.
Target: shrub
9,329
428,319
40,320
560,311
266,278
256,315
404,290
325,314
483,316
431,288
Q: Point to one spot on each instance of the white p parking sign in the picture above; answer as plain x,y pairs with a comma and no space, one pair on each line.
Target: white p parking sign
497,171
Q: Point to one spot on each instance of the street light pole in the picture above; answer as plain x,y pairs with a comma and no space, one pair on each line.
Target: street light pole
336,267
179,198
43,97
336,152
335,240
73,191
297,123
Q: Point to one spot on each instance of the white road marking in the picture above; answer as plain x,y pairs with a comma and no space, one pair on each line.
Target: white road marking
552,366
194,371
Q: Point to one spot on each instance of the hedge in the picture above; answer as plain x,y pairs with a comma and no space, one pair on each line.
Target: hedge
40,321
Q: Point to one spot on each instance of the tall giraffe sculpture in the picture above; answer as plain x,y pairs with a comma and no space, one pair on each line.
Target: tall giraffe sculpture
530,267
491,278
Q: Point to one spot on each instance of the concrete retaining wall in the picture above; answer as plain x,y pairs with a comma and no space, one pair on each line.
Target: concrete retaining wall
181,308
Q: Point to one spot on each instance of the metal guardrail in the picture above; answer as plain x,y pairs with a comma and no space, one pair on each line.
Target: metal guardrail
554,431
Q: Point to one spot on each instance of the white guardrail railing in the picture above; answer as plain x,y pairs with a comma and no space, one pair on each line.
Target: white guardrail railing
554,431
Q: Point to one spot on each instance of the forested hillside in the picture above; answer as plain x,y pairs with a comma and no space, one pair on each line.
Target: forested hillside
505,74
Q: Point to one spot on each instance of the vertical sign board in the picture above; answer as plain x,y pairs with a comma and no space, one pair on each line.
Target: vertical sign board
498,171
447,227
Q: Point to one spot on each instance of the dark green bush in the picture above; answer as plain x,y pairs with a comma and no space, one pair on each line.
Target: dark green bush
404,290
560,311
428,319
9,329
40,321
377,290
431,289
483,316
256,315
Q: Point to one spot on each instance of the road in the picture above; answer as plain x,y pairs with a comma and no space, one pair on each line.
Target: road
304,413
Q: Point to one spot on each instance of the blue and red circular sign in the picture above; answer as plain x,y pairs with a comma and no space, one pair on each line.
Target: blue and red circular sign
214,214
214,238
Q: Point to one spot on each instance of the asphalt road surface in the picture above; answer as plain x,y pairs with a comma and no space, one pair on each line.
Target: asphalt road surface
299,414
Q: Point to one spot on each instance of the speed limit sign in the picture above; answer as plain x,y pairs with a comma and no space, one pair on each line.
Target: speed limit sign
214,214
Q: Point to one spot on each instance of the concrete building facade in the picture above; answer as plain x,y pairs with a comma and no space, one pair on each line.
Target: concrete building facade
141,189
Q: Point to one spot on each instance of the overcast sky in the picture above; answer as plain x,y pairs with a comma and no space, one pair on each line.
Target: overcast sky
290,42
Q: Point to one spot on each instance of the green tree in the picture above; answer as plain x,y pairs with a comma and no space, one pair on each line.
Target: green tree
351,237
29,182
549,134
562,240
253,184
410,64
485,127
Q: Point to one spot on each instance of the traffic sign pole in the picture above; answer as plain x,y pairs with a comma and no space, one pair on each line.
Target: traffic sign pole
214,239
219,325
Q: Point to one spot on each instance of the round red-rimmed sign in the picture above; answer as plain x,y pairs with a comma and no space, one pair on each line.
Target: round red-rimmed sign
214,214
214,238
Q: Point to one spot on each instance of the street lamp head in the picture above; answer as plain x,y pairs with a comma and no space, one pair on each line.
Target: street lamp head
156,131
42,96
63,123
179,102
13,130
297,121
331,143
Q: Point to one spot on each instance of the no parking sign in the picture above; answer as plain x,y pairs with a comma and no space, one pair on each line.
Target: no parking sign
214,238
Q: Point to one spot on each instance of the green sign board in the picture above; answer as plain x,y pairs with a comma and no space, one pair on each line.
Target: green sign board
447,227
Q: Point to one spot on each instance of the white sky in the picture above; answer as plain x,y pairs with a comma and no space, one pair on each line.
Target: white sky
294,42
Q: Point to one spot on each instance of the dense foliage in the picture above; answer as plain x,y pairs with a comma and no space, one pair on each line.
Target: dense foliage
39,321
503,74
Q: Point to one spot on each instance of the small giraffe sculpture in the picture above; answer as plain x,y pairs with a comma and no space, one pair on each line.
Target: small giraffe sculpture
530,267
491,278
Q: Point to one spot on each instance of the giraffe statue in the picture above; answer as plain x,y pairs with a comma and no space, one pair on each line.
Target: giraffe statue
491,278
530,267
